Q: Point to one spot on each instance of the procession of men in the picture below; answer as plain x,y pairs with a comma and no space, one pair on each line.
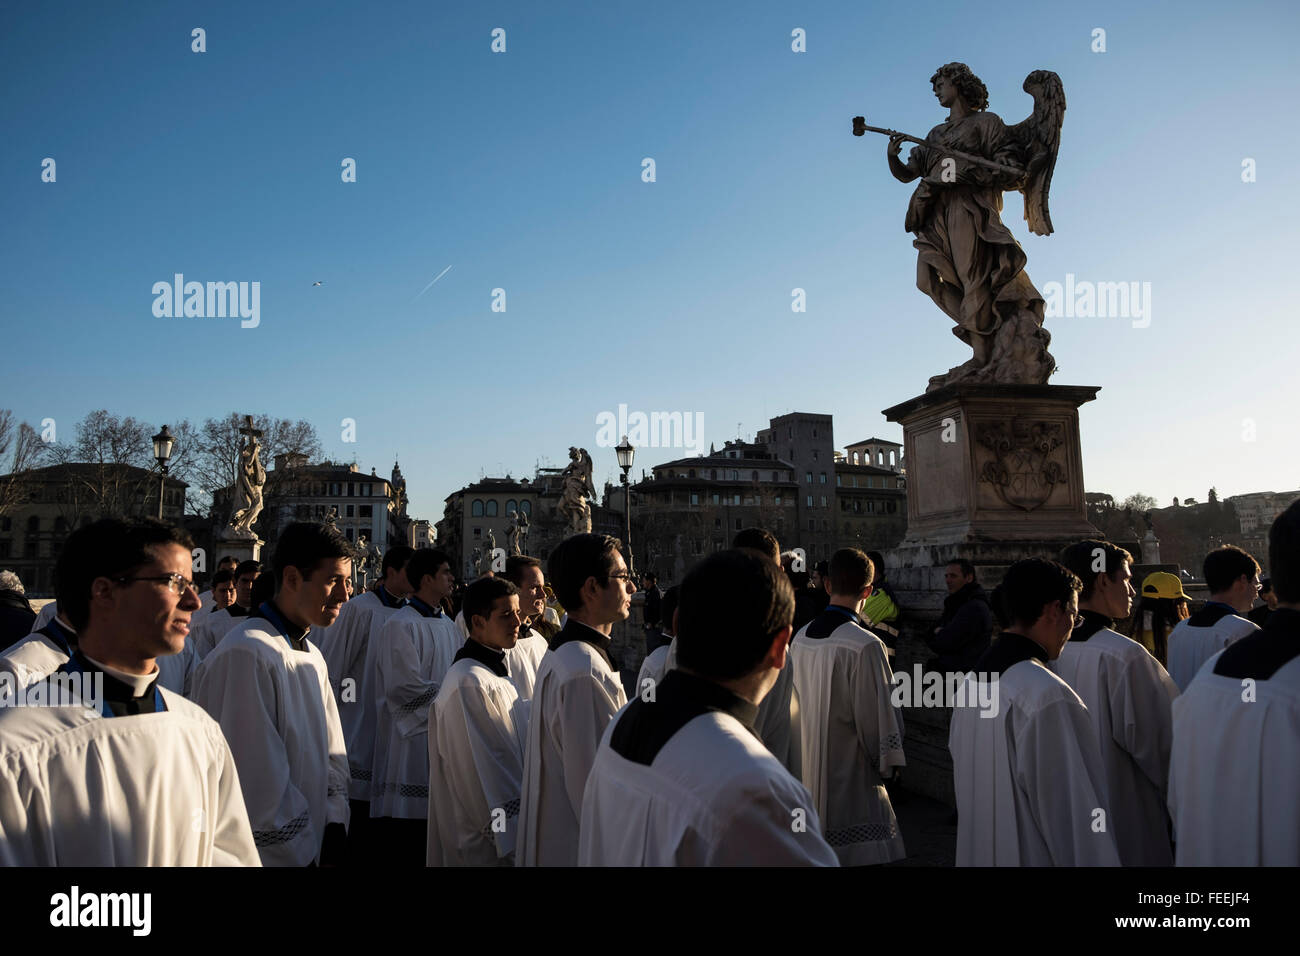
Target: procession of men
318,729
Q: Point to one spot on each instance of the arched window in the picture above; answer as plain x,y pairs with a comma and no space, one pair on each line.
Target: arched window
527,507
512,505
880,458
735,475
713,474
34,524
491,510
476,509
754,477
891,459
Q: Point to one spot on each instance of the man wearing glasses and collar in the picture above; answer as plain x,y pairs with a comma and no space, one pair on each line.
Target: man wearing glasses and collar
122,772
576,694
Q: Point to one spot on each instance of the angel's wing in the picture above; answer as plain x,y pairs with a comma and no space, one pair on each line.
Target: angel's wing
1039,137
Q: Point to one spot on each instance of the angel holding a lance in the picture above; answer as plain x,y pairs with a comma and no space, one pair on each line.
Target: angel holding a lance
968,262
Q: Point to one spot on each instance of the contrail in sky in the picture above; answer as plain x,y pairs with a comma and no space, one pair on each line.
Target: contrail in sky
430,285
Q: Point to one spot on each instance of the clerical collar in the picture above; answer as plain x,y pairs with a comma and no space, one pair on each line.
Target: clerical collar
1211,614
125,695
831,618
386,599
270,612
1007,650
1093,621
647,725
238,610
426,610
491,658
577,631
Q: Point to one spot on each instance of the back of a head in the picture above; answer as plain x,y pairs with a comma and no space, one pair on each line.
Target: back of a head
1284,555
425,561
668,606
758,539
1029,586
481,595
9,581
878,565
304,545
730,607
262,591
109,548
396,558
251,567
1225,565
849,571
577,558
1092,556
516,565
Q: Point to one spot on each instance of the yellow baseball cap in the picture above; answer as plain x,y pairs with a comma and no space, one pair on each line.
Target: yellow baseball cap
1162,584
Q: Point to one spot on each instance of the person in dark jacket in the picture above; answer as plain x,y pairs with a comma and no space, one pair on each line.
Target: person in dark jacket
16,615
651,612
966,626
1260,614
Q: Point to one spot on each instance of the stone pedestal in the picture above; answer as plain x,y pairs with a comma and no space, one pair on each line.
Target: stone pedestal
994,475
241,549
994,463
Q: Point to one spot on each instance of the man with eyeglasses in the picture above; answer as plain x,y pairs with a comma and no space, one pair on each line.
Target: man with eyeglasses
576,694
1232,575
1129,699
268,687
115,769
1027,772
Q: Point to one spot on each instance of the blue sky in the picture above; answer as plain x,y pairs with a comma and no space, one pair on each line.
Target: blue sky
522,171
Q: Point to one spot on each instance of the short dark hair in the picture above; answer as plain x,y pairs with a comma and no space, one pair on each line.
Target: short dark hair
823,568
849,571
723,640
263,590
515,565
668,606
396,558
967,569
1029,586
481,595
1284,554
1081,558
758,539
304,545
877,562
1224,565
1265,586
250,567
426,561
108,548
222,576
577,558
231,558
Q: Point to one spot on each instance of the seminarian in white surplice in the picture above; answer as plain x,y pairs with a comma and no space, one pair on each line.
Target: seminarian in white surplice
344,645
268,687
851,734
1028,776
476,738
681,777
1232,576
106,767
576,694
1129,698
1234,777
408,658
525,658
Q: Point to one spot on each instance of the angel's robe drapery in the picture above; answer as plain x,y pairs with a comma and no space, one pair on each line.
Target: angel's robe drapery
968,261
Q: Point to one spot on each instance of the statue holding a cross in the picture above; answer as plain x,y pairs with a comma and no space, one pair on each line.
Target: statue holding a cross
248,484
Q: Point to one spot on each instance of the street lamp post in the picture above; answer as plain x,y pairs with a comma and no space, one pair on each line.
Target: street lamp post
625,453
162,451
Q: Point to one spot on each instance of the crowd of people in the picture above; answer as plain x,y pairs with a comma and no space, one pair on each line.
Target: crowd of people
279,720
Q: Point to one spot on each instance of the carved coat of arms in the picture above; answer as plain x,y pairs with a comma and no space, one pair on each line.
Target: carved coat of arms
1021,471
